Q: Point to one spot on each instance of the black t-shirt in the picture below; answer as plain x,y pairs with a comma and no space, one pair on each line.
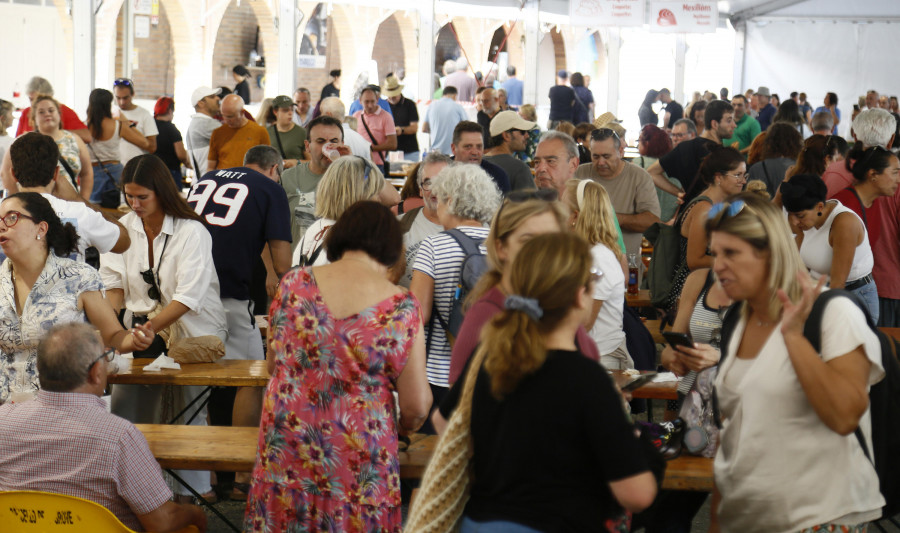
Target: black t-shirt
676,112
242,209
405,113
330,90
545,454
485,122
562,103
683,162
165,143
242,89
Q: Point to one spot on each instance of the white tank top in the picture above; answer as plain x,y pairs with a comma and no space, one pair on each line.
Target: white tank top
107,150
817,253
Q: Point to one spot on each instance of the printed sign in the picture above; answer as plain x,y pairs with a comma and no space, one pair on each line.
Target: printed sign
684,17
606,12
143,7
141,27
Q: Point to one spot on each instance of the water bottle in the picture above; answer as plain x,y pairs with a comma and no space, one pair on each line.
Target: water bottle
633,272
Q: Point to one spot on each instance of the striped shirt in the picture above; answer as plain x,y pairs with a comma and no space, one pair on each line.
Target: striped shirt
441,258
66,442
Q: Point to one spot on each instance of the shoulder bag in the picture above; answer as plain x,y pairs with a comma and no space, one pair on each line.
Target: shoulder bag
109,198
445,486
384,161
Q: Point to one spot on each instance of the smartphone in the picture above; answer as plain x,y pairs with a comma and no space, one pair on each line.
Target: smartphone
678,339
639,381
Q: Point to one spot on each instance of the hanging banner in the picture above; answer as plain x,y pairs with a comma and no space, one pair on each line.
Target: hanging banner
594,13
684,17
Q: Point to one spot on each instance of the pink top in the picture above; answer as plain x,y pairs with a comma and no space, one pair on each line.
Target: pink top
381,123
478,315
837,178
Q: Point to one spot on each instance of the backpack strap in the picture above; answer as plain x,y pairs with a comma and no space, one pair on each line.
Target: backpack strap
408,218
469,245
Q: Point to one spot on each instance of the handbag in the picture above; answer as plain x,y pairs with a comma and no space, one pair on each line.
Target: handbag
444,491
110,198
701,435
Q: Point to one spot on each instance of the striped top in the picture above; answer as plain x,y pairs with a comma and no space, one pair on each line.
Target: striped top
705,324
441,258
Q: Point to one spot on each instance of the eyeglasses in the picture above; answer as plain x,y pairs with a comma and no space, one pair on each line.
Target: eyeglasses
737,176
730,209
680,135
368,168
425,185
109,355
150,278
604,133
12,218
123,82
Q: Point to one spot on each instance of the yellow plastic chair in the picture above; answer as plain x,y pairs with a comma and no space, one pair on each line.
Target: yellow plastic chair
26,511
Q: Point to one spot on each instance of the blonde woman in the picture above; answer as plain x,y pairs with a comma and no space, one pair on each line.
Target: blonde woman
46,118
348,180
788,459
594,219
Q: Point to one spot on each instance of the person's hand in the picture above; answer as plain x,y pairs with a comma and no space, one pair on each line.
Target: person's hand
700,357
271,284
794,315
669,359
142,335
679,198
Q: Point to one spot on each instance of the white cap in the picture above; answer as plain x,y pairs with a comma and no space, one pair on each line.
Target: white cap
202,92
509,120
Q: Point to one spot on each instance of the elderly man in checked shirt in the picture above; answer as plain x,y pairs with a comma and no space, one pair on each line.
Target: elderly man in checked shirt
64,441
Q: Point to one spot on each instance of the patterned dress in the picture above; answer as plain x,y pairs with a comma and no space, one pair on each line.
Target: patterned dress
327,457
53,300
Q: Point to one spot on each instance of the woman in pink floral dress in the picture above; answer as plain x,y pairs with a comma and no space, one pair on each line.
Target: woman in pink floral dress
342,338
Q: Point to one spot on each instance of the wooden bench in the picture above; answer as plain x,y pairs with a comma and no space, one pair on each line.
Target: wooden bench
234,449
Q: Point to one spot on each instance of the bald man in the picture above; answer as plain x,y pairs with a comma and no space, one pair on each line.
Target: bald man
228,144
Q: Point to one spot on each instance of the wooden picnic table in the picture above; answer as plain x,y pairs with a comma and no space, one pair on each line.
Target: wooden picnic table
233,449
222,373
641,299
651,391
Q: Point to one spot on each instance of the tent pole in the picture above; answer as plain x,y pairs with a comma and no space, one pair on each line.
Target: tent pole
680,53
612,67
740,45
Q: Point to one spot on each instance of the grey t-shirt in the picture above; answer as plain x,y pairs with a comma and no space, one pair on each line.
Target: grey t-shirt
300,185
520,176
631,192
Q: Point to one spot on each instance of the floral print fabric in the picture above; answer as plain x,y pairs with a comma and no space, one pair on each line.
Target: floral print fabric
327,457
53,300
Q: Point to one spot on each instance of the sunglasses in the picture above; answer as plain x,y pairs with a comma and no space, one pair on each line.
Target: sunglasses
604,133
123,82
109,355
517,197
727,209
150,278
12,218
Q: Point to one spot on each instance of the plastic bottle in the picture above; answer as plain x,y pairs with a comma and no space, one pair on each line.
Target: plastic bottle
633,273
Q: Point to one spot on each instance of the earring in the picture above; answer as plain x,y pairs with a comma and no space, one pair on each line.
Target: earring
819,213
38,237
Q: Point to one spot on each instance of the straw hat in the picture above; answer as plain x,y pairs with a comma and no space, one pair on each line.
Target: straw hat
608,120
391,87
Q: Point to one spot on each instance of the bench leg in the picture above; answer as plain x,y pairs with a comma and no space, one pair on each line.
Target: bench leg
204,503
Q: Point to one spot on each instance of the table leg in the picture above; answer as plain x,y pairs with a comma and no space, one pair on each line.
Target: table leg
203,501
188,406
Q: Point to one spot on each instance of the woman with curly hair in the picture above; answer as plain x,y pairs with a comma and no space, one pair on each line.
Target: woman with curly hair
467,199
780,149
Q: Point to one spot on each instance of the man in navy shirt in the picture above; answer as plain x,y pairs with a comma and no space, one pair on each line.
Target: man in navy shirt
468,147
766,109
562,100
246,212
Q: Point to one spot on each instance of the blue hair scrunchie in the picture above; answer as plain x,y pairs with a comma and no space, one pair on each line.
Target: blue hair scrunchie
529,306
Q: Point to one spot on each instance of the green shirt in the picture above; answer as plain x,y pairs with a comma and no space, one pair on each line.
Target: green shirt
292,142
746,130
300,185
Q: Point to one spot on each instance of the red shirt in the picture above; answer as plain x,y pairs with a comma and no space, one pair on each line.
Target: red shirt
70,120
887,254
871,216
478,315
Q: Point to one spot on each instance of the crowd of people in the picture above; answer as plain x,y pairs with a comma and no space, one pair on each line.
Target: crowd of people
487,296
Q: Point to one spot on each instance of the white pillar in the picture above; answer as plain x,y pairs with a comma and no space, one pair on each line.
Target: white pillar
532,21
426,40
83,32
127,38
612,61
680,52
740,44
286,75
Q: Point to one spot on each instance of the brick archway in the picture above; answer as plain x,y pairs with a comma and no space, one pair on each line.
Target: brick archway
235,38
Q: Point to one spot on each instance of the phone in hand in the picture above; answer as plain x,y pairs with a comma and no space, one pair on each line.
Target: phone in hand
639,381
676,339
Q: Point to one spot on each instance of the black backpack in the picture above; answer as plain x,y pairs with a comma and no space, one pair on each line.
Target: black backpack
473,266
884,396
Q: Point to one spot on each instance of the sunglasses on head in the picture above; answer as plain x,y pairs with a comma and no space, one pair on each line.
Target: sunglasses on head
517,197
730,209
604,133
125,82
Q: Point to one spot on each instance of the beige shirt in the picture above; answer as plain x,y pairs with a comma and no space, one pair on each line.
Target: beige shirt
631,192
